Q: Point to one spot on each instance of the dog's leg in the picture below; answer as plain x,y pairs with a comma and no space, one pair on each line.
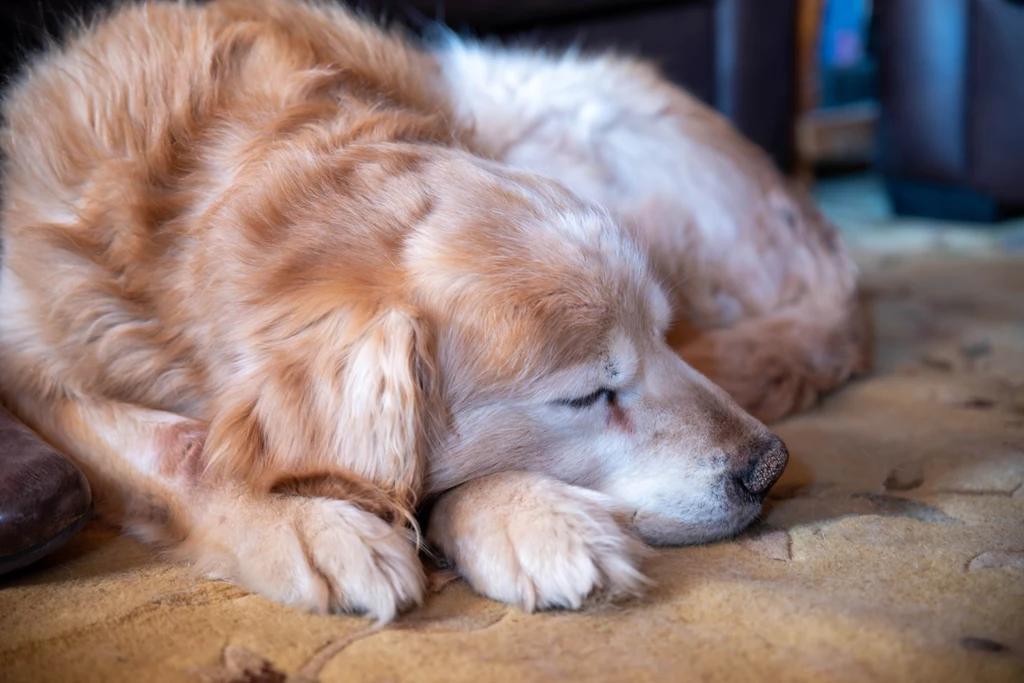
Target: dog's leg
748,259
147,468
782,362
529,540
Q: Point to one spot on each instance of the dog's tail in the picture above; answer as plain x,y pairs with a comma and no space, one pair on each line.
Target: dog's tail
783,361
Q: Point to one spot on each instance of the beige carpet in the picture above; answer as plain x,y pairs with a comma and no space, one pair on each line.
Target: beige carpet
893,549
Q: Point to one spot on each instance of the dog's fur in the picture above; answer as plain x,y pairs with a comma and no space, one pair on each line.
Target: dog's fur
274,277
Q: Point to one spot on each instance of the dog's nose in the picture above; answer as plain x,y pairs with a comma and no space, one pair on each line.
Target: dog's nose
768,458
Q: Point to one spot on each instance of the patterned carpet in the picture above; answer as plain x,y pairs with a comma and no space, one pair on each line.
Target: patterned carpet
892,549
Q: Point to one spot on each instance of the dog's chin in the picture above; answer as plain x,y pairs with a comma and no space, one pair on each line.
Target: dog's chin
657,528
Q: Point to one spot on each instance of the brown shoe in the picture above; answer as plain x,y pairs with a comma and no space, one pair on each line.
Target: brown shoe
44,497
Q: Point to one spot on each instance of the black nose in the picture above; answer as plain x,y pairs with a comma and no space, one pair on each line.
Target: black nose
767,458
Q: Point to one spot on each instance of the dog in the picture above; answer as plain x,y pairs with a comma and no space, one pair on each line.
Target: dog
279,279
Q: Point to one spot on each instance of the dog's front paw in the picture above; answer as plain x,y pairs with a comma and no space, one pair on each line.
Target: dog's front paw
316,553
535,542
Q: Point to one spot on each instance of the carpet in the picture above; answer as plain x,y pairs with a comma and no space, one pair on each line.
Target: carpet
891,550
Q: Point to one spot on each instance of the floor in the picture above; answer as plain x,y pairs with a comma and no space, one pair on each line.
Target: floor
858,205
891,550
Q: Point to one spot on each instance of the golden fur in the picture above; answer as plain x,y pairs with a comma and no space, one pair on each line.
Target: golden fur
259,273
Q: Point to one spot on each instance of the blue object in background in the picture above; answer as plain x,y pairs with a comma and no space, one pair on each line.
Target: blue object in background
844,32
847,68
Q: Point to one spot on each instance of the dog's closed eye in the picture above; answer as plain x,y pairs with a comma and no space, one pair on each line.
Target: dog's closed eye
588,400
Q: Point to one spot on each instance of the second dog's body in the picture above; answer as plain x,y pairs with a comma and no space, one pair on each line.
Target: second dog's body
272,276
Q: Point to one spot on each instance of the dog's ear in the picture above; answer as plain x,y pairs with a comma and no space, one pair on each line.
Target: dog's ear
361,400
391,406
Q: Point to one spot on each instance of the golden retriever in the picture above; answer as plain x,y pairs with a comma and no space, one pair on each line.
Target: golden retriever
275,277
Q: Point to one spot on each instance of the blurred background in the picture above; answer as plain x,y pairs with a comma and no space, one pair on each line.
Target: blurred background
904,115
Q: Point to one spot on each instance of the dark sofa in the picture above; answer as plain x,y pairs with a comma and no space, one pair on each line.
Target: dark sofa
952,95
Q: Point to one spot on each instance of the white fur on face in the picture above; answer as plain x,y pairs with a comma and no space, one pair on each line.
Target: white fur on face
656,448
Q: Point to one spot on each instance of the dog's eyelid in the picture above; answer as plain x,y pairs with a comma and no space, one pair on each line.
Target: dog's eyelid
590,399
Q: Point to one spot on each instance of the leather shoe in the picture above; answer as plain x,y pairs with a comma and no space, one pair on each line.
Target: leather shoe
44,498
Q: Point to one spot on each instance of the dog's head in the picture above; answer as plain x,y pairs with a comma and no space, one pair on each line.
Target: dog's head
548,355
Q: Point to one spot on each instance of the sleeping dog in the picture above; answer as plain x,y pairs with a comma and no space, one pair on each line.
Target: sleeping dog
275,277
